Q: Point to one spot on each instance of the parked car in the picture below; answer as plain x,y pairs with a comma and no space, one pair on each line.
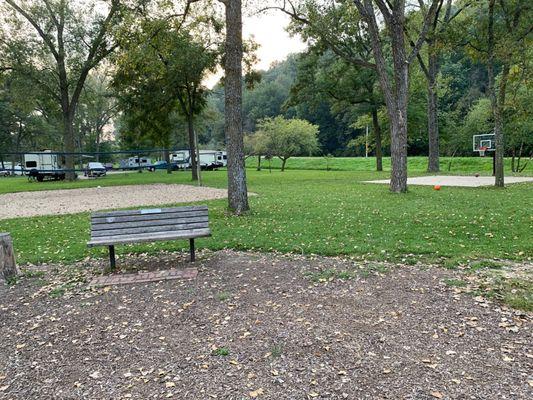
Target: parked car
95,169
9,170
17,171
163,165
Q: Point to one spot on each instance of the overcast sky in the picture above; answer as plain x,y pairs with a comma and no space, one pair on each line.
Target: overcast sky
274,42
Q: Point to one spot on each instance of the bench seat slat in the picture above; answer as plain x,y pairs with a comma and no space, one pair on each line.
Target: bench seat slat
149,229
150,223
147,217
148,211
143,237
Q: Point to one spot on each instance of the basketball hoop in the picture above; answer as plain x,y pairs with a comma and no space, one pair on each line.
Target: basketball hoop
482,151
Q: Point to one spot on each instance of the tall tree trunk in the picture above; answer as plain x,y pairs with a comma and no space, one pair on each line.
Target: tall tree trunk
259,162
398,182
497,102
395,94
498,123
283,162
433,128
192,148
98,134
377,136
519,157
398,112
18,140
166,155
237,190
69,145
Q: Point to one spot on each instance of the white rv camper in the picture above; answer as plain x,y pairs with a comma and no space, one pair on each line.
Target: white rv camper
43,165
135,163
209,159
222,158
180,158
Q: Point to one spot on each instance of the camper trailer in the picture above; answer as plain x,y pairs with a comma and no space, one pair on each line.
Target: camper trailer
180,158
43,165
209,159
222,158
135,163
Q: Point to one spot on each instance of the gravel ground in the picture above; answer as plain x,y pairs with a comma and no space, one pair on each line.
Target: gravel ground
54,202
256,326
464,181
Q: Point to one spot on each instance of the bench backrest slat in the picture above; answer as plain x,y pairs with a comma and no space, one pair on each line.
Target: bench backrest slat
151,222
148,211
150,229
120,224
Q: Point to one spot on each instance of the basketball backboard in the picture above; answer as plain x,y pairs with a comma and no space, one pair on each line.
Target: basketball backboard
482,143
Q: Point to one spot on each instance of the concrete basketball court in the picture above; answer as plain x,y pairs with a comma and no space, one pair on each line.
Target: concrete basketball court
458,181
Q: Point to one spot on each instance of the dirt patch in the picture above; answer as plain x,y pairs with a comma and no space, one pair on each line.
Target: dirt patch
71,201
259,326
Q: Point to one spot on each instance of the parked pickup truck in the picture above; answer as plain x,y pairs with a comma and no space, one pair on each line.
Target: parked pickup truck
95,169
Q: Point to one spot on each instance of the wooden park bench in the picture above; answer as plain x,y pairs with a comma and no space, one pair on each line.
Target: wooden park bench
156,224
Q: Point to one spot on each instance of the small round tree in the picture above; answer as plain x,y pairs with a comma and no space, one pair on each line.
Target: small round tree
285,138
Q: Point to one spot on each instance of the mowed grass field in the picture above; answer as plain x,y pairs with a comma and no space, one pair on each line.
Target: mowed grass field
313,212
449,165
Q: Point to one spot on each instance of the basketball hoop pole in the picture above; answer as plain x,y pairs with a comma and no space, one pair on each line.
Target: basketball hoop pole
493,163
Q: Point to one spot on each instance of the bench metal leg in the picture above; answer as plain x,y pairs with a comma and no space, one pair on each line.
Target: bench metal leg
112,257
191,243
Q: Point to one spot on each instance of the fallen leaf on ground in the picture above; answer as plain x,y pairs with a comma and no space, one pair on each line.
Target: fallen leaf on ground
96,375
256,393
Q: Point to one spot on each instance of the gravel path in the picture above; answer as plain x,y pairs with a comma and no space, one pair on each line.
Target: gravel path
55,202
255,326
460,181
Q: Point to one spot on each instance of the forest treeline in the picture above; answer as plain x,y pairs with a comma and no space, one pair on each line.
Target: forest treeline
130,74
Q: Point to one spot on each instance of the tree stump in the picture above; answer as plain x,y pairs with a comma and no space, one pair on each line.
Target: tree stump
8,266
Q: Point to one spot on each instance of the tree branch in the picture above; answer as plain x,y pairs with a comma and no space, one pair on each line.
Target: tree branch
423,33
93,58
40,31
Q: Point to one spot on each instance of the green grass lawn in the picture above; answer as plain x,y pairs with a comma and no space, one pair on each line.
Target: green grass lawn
417,166
314,212
449,165
20,184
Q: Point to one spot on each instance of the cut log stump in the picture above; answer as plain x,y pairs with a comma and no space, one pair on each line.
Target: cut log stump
8,266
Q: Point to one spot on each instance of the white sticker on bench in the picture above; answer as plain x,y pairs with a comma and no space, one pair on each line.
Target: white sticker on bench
151,211
110,219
